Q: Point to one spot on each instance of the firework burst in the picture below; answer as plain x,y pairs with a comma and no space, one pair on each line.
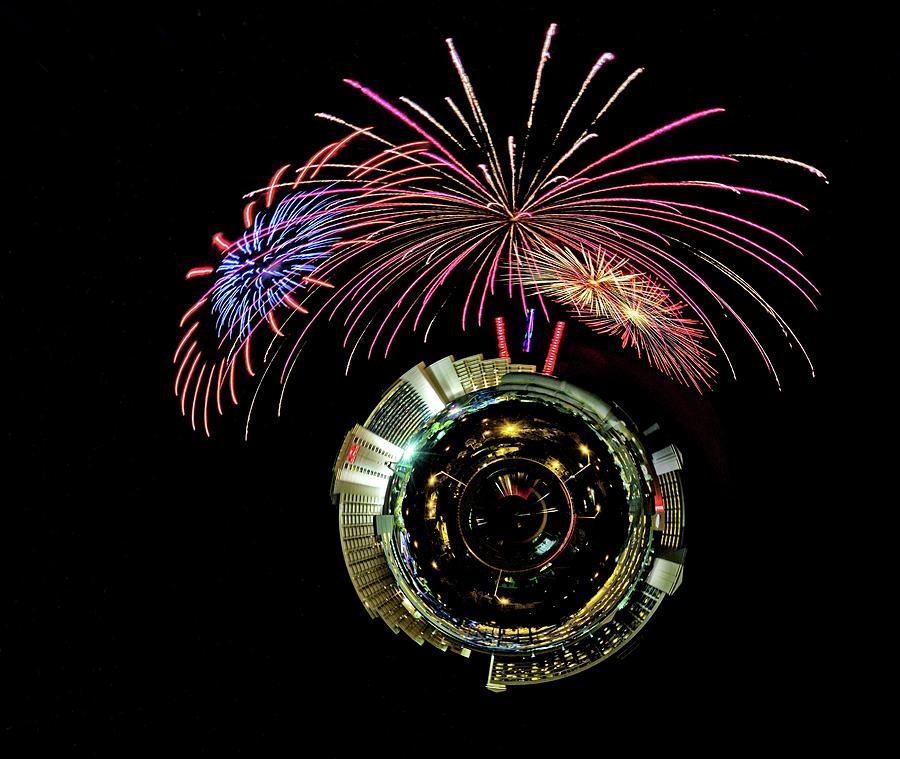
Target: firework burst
591,284
648,320
606,294
267,269
262,280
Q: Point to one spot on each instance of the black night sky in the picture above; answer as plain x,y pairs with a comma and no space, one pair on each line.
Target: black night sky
172,591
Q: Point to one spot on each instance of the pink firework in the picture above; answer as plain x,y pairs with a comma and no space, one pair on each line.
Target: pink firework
464,210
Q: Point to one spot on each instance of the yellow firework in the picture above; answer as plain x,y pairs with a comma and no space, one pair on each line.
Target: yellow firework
592,284
605,293
649,321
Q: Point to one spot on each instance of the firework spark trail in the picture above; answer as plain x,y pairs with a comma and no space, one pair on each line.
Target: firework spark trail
789,161
601,61
545,56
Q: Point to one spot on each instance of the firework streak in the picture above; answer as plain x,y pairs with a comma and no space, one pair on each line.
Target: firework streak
377,233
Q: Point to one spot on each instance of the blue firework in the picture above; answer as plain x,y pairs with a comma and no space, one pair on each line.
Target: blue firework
273,260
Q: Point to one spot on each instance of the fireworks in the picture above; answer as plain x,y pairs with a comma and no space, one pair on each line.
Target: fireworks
272,261
481,217
591,284
634,247
264,274
608,296
650,322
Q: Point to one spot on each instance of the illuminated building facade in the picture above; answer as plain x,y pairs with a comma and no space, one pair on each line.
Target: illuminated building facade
486,507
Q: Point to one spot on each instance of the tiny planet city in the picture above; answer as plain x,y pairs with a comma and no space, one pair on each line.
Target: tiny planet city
485,507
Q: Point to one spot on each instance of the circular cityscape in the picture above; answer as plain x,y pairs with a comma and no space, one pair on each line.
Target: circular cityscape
486,507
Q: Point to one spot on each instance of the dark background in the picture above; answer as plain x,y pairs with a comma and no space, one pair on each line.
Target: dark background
176,591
